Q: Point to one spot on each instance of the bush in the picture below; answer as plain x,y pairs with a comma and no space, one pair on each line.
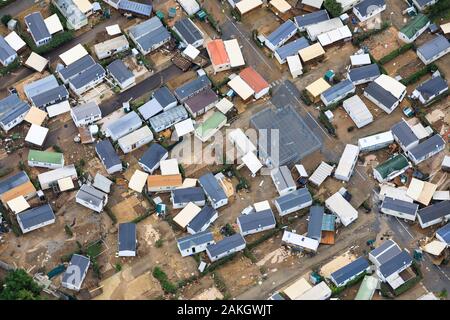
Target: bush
144,216
159,243
57,149
5,171
439,10
68,230
9,68
118,267
269,234
166,285
394,54
327,124
333,7
248,254
5,19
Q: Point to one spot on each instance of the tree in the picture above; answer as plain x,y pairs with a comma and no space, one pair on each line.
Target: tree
5,19
18,285
333,7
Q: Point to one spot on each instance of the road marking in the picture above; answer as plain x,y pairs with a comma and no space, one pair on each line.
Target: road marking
404,228
445,275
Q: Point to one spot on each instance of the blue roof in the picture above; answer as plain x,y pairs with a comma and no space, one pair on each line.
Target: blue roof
12,107
164,96
404,133
150,109
433,47
315,222
366,7
328,222
13,181
6,51
444,233
255,220
107,153
283,32
396,263
397,205
121,126
35,216
292,48
294,199
82,263
136,7
37,26
352,269
381,95
188,30
94,72
127,236
364,72
212,187
434,212
311,18
342,88
189,89
76,67
55,94
431,145
195,240
432,87
119,70
202,218
153,155
192,194
226,244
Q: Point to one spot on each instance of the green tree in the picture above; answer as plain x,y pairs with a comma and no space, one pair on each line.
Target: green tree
18,285
5,19
333,7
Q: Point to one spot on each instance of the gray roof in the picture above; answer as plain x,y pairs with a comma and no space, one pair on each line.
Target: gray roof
122,126
444,233
94,72
404,133
36,24
350,270
145,27
311,18
90,194
11,107
292,48
36,216
153,155
435,211
342,88
255,220
82,263
282,178
433,47
77,67
40,86
188,30
86,110
364,72
150,108
401,206
189,89
212,187
427,147
55,94
164,96
127,236
168,118
386,251
150,33
315,222
281,33
13,181
293,199
201,100
136,7
107,154
396,263
102,183
424,2
119,71
192,194
296,139
195,240
381,95
226,244
432,87
367,6
202,218
6,51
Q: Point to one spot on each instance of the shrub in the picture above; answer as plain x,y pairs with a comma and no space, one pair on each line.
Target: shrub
57,149
413,78
118,267
166,285
68,230
5,19
9,68
159,243
360,37
333,7
394,54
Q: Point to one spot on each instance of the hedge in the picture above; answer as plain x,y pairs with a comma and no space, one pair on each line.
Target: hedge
58,40
360,37
166,285
394,54
413,78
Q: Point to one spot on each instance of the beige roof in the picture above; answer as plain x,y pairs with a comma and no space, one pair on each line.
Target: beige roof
36,62
297,288
23,190
224,105
65,184
18,204
421,191
156,181
137,181
35,116
187,214
311,52
245,6
188,183
136,136
318,87
241,87
234,53
113,30
75,53
169,167
111,45
15,41
53,24
84,5
281,5
435,247
445,27
59,108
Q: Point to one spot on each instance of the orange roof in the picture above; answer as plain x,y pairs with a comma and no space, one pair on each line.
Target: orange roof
171,180
23,190
253,79
217,52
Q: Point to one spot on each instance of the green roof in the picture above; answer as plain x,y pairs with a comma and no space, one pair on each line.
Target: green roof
210,124
394,164
417,23
367,288
45,156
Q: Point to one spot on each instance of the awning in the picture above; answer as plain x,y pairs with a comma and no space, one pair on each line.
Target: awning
35,116
18,204
36,62
113,30
53,24
137,181
59,108
65,184
73,54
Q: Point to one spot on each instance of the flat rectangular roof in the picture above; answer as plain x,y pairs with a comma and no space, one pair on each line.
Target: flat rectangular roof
318,87
75,53
234,53
187,214
311,52
15,41
241,87
138,180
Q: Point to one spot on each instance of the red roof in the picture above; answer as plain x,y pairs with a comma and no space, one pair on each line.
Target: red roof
253,79
217,52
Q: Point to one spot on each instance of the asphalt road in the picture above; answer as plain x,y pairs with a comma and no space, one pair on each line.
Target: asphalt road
17,7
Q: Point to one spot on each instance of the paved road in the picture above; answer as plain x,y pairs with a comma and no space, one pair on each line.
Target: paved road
17,7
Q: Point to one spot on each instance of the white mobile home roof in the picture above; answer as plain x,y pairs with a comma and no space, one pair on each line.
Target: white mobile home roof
224,105
234,53
322,172
252,162
169,167
15,41
294,63
358,111
65,184
57,174
184,127
315,30
320,291
360,59
394,193
137,181
300,241
191,52
311,52
75,53
301,170
348,157
335,35
383,138
281,5
245,6
59,108
391,85
296,289
136,136
18,204
53,24
36,135
113,30
241,87
187,214
342,208
441,195
241,141
36,62
84,5
313,3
